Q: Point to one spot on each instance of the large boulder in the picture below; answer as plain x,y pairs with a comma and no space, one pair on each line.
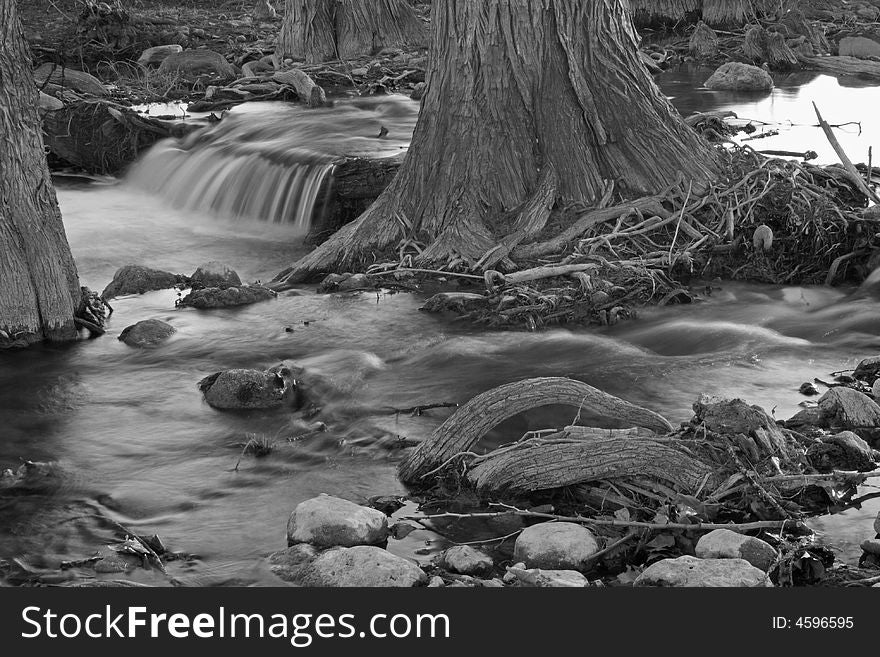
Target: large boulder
843,451
690,571
215,274
556,546
135,279
198,63
327,521
147,333
727,544
158,54
363,565
227,297
860,47
736,76
70,78
465,560
845,408
249,389
868,369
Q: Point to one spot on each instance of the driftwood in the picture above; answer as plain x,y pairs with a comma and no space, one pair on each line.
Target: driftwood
305,87
852,172
862,68
464,428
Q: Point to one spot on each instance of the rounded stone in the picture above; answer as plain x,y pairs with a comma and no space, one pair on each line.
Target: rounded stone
728,544
465,560
556,546
362,566
147,333
327,521
688,571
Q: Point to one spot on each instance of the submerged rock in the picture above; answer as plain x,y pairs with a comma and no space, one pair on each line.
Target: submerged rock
147,333
363,565
465,560
736,76
556,546
327,521
197,63
728,544
136,279
543,577
690,571
229,297
249,389
215,274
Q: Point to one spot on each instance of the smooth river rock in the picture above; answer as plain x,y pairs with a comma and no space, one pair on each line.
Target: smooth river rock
543,577
249,389
690,571
556,546
147,333
736,76
158,54
196,63
466,560
208,298
327,521
215,274
728,544
363,565
136,279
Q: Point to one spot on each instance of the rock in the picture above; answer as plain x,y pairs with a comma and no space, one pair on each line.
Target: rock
355,282
197,63
290,564
79,81
807,417
493,583
215,274
549,578
736,76
459,302
808,389
327,521
868,369
845,408
871,546
147,333
844,451
230,297
49,103
734,416
249,389
877,523
762,238
436,582
728,544
158,54
555,545
363,565
418,91
690,571
135,279
264,11
465,560
860,47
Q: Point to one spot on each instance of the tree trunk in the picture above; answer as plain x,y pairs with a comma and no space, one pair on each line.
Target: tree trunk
39,286
665,13
321,30
521,96
731,13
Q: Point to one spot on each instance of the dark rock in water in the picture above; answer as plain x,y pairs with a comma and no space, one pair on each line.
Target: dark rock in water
808,417
148,333
459,302
215,274
135,279
868,370
808,389
844,451
345,283
845,408
249,389
736,76
215,297
197,63
292,564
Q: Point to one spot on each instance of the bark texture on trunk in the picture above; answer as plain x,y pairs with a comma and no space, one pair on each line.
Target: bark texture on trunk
522,95
39,286
647,13
320,30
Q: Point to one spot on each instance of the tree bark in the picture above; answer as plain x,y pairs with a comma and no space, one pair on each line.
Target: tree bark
39,285
320,30
650,13
519,94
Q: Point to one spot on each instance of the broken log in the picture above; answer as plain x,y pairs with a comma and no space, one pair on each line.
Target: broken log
862,68
464,428
308,92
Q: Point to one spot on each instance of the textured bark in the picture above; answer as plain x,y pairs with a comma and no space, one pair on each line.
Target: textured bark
731,13
578,455
39,286
648,13
321,30
464,428
517,91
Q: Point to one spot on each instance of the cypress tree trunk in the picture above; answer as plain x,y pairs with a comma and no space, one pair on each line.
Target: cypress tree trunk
39,286
649,13
529,103
321,30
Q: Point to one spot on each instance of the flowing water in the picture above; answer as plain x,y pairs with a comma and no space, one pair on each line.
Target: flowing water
135,441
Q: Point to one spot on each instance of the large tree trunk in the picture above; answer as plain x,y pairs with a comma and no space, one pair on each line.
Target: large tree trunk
529,103
39,287
669,13
321,30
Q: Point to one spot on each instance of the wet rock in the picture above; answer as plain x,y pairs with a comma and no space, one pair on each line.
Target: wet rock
859,47
556,546
215,297
291,564
249,389
147,333
727,544
135,279
871,546
844,451
116,562
355,282
30,476
543,577
197,63
734,416
868,369
808,389
465,560
363,565
845,408
158,54
70,78
807,417
688,571
736,76
328,521
458,302
49,103
215,274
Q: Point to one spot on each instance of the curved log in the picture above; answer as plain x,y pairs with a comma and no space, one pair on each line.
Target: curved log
464,428
575,457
